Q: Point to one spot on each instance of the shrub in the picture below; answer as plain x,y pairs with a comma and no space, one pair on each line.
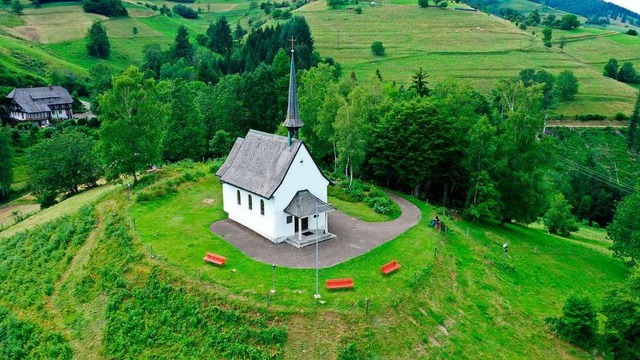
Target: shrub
381,205
110,8
377,48
358,10
621,116
185,12
578,323
423,3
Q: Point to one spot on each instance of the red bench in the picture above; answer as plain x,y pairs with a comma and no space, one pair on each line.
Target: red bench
390,267
346,283
215,259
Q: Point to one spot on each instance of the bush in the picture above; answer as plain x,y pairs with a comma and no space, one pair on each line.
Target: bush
358,10
377,48
381,205
423,3
185,12
621,116
110,8
578,323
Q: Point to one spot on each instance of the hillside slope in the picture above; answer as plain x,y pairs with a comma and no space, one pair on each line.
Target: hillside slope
456,296
474,47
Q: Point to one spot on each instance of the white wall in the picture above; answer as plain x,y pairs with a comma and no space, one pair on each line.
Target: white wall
262,224
302,175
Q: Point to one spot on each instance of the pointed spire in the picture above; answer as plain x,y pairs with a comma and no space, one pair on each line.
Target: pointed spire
293,121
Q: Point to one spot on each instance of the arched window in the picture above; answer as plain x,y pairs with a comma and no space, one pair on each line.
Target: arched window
261,207
238,197
250,202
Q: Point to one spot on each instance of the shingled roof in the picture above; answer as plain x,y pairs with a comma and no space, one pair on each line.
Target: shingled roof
305,204
293,120
38,99
259,162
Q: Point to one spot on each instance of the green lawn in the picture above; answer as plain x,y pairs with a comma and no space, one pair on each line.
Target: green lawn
487,301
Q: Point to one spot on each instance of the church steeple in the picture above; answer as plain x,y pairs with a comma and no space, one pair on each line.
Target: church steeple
293,121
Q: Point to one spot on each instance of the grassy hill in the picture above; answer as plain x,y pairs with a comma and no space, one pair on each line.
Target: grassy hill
474,47
132,282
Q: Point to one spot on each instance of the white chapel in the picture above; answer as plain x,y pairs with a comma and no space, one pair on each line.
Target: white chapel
272,185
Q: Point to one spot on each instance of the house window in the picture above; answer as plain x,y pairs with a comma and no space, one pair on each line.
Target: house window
238,197
250,202
261,207
289,219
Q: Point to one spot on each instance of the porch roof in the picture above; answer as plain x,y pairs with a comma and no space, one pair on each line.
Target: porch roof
305,204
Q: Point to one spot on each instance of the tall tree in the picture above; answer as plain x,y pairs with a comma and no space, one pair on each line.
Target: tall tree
558,218
628,74
566,85
6,162
185,137
220,39
547,34
97,41
483,199
611,69
62,163
522,158
419,83
99,81
409,143
624,230
133,114
182,47
314,89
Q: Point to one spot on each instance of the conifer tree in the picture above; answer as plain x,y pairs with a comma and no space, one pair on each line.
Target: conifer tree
98,41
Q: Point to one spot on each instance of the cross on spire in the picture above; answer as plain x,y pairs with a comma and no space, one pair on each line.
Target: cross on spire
293,40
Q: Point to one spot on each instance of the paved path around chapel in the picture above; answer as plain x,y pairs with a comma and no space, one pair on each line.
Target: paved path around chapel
354,237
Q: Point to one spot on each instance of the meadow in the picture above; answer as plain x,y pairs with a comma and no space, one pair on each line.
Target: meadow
474,47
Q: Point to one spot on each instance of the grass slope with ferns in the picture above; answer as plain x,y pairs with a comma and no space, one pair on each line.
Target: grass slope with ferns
125,278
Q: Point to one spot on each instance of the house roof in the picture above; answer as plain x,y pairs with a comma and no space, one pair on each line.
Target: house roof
305,204
259,162
38,99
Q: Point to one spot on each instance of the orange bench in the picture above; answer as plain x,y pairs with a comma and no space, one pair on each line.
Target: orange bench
215,259
390,267
346,283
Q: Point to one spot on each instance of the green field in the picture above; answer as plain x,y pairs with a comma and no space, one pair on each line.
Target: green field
476,47
456,295
484,301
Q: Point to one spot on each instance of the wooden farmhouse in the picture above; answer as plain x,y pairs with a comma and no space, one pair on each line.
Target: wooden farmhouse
39,105
272,185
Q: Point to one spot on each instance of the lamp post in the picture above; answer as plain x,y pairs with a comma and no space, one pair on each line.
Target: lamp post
317,294
273,278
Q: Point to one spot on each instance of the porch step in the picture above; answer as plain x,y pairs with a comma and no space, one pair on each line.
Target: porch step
308,240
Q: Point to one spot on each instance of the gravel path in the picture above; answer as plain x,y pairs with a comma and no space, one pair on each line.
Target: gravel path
354,237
